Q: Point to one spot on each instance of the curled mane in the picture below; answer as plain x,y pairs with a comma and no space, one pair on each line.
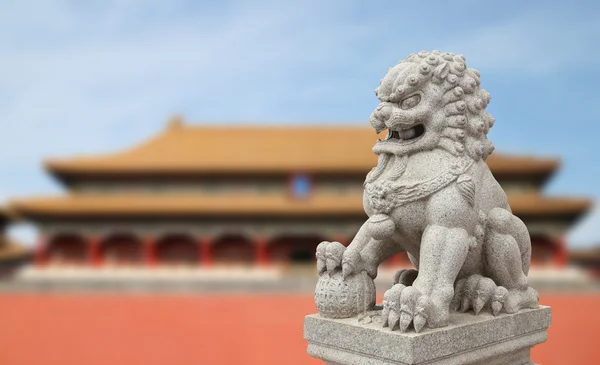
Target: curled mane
464,102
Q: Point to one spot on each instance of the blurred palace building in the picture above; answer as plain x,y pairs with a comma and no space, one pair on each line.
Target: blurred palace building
12,254
258,196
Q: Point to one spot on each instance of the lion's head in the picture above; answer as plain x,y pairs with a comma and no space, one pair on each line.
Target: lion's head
433,100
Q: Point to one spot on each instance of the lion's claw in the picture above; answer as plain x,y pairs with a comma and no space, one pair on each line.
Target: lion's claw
393,320
350,261
419,322
403,306
474,292
478,304
329,256
333,256
320,255
479,293
391,310
498,299
405,319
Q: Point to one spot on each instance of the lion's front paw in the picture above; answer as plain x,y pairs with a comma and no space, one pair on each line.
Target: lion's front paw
406,305
340,294
329,256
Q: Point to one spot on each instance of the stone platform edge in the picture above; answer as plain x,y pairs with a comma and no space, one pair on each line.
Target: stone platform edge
469,339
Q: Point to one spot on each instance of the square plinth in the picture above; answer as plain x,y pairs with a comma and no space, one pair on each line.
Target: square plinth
469,339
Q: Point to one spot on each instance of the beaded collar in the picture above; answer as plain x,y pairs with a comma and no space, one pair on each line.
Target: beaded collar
386,195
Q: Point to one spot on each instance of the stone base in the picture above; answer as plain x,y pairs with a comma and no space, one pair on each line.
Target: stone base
469,339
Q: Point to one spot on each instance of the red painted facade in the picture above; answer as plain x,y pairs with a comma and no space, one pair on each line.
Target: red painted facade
177,249
129,250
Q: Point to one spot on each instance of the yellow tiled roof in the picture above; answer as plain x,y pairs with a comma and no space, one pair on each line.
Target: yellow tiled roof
198,149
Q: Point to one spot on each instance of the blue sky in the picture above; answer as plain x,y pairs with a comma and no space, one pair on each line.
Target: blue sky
91,77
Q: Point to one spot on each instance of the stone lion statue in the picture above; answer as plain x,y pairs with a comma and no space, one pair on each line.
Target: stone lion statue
433,196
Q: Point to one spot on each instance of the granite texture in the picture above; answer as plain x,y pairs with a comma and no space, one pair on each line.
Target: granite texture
337,296
485,339
433,196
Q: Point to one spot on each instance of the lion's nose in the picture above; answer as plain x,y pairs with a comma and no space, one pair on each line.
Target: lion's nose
381,115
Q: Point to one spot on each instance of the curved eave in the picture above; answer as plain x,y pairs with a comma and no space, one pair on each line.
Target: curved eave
538,206
502,165
147,205
252,205
259,150
586,257
521,166
64,171
233,149
7,215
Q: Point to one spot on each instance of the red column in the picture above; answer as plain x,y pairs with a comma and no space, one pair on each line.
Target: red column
261,253
94,254
205,252
561,255
150,251
41,248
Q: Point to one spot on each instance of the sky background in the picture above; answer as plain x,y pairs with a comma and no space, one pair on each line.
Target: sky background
98,76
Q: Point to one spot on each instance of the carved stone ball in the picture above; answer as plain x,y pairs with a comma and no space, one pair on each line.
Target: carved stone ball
337,297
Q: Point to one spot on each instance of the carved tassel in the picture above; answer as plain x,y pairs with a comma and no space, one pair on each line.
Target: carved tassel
467,188
377,171
399,168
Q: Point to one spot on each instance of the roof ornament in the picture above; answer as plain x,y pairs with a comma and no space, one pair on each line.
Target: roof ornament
446,210
175,123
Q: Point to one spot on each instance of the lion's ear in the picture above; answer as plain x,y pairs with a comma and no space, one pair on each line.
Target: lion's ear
441,71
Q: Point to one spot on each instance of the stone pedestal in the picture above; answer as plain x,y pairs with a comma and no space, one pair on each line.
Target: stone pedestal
469,339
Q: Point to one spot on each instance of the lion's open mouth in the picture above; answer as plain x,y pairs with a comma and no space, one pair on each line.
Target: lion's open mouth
405,135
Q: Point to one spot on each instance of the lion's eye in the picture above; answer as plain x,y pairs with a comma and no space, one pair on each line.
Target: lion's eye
410,102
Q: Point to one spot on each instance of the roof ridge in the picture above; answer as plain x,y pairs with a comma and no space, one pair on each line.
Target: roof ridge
185,148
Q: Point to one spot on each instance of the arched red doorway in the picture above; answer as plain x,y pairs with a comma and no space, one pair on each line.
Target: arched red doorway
69,249
122,249
177,249
233,249
294,249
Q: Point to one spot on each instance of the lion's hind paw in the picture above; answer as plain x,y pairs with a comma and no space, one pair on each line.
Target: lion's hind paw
405,276
477,292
